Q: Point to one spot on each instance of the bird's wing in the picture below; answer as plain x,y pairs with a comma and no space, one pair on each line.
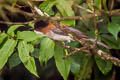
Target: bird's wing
77,32
57,31
70,29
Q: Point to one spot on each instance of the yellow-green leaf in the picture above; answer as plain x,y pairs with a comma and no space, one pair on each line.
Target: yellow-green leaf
46,49
47,6
66,10
27,60
27,35
12,29
114,29
2,37
6,51
63,66
104,66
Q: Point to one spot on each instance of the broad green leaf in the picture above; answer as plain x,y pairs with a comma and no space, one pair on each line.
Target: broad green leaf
27,36
6,51
30,48
66,10
12,29
36,53
114,29
37,41
97,3
82,65
2,37
27,60
86,68
75,67
116,19
98,75
63,66
111,41
46,49
47,6
14,60
103,66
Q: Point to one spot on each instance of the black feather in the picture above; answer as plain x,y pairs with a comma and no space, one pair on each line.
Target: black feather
40,24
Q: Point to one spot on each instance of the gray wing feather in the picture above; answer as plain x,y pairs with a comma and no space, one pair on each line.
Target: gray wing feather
57,31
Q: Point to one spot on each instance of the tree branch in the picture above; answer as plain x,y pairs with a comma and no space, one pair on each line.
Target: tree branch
11,23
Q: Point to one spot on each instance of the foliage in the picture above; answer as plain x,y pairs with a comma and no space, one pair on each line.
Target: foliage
21,46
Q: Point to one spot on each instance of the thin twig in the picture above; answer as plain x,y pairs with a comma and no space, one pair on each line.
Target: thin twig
75,51
6,22
16,10
83,8
96,32
108,13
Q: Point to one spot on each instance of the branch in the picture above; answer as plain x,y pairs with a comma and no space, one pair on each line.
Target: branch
6,22
16,10
107,57
83,49
87,10
74,49
108,13
95,51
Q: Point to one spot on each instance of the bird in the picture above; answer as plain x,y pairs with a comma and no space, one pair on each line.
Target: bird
53,32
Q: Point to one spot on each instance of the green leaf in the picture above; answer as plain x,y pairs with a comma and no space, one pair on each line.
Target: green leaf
97,3
111,41
6,51
66,10
116,19
103,66
114,29
75,67
12,29
14,60
36,53
46,49
27,36
30,48
2,37
98,75
27,60
37,41
47,6
81,65
63,66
